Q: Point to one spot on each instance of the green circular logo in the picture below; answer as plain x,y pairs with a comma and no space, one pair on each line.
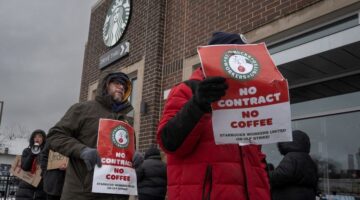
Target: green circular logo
116,20
240,65
120,137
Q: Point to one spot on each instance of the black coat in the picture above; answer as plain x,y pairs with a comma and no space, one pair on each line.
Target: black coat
53,179
151,176
25,190
296,176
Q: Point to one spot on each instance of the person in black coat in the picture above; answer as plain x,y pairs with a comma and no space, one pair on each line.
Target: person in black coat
29,162
151,176
53,179
296,176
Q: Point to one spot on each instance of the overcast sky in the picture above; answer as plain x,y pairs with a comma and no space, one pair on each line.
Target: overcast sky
42,46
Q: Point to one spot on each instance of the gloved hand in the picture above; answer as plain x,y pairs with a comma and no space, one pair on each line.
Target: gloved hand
90,157
209,90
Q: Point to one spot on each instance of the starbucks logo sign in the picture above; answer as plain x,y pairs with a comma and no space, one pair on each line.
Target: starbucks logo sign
240,65
120,137
116,20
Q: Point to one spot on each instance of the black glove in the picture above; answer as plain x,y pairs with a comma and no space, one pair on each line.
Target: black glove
209,90
90,157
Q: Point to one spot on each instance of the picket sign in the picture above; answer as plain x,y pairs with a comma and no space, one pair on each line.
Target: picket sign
256,107
56,160
31,178
116,147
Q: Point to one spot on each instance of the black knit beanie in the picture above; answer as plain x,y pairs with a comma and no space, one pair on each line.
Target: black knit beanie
227,38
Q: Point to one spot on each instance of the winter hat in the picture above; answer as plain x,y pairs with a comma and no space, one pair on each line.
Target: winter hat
227,38
152,151
122,79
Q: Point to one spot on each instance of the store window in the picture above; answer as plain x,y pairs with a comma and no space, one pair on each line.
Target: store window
334,131
321,65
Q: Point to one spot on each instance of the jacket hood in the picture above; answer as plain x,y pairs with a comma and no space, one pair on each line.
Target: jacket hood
197,74
152,151
101,92
34,133
107,76
300,143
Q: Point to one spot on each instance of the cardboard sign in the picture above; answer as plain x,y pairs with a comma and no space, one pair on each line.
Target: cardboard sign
56,160
116,147
256,108
33,179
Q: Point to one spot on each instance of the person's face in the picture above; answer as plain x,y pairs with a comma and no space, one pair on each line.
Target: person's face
38,139
116,90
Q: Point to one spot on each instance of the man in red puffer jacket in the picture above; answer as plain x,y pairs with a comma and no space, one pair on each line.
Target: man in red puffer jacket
198,168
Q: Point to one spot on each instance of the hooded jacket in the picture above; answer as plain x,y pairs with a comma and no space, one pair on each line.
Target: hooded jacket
79,129
197,168
151,176
28,162
296,176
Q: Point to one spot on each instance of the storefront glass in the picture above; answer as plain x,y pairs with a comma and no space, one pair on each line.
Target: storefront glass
334,130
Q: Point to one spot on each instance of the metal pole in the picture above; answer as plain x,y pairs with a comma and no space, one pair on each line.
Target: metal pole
7,186
1,109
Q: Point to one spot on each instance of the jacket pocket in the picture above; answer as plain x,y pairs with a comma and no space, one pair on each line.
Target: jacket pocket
207,185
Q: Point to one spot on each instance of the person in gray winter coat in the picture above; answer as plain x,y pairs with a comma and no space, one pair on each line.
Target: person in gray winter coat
296,176
151,176
76,134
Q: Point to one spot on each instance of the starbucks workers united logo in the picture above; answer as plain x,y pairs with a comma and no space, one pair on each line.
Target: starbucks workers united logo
116,20
120,137
240,65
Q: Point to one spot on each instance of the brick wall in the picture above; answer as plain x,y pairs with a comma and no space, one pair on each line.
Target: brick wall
135,34
152,71
190,23
165,32
145,34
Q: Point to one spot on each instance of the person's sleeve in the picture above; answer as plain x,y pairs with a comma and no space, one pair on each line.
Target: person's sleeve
139,173
178,131
43,157
27,159
62,137
284,173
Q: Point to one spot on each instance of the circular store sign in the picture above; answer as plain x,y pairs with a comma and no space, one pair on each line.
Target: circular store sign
116,20
240,65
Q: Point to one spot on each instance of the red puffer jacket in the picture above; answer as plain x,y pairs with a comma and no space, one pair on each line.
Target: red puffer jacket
197,167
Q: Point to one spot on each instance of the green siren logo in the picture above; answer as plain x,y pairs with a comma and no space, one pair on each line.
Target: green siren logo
120,137
116,20
240,65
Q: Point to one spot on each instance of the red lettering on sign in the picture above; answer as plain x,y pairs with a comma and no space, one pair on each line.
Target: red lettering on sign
251,123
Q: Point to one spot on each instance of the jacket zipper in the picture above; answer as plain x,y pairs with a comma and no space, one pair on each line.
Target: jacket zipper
244,173
207,185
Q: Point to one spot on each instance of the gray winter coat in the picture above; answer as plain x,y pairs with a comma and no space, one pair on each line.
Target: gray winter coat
79,129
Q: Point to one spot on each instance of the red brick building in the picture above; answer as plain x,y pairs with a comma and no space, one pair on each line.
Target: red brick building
315,44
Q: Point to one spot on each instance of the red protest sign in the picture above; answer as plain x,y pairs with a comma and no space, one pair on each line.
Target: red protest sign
256,106
116,147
